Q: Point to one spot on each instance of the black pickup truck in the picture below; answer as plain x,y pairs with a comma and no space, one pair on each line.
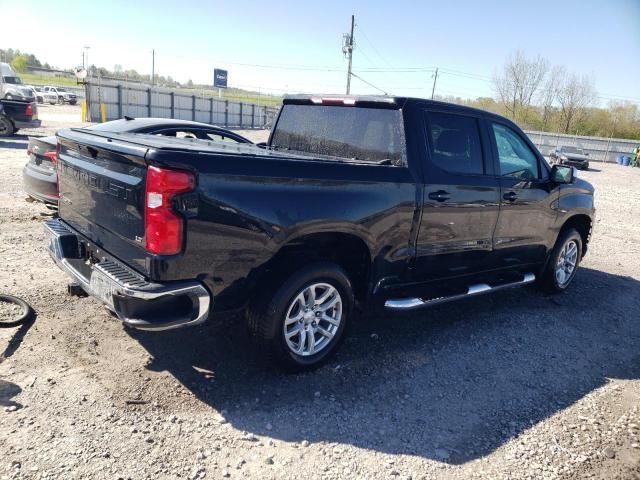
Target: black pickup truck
377,202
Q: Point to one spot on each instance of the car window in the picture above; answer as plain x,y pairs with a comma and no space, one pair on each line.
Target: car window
218,137
178,134
516,158
454,143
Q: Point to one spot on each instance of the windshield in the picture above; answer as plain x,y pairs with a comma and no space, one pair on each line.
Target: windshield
363,134
13,80
60,89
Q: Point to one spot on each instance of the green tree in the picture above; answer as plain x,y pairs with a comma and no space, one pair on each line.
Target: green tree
19,63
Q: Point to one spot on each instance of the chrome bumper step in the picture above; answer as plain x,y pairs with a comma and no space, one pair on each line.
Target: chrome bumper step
472,291
113,284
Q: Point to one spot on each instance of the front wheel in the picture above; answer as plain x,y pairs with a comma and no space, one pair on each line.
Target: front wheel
563,262
301,323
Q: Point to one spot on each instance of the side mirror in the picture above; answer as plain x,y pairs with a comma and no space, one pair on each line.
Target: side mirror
563,174
261,145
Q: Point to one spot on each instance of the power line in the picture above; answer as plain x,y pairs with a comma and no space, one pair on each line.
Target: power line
369,83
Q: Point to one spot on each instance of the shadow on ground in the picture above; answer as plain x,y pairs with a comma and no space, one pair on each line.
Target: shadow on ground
8,390
451,383
19,141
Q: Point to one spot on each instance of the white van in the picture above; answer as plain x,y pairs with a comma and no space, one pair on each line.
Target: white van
11,86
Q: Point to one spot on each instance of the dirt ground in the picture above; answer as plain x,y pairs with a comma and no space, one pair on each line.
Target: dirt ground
510,386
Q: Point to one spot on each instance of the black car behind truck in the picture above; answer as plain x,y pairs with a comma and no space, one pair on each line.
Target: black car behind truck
39,176
17,114
381,202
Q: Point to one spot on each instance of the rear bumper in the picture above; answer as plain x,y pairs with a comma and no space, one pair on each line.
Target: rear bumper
27,124
40,185
138,303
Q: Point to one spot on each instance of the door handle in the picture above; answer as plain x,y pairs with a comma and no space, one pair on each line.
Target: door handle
439,196
510,196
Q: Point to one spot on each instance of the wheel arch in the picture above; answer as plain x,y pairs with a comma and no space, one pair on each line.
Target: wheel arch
348,250
583,224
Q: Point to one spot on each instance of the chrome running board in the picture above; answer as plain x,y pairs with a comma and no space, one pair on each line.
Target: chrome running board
472,291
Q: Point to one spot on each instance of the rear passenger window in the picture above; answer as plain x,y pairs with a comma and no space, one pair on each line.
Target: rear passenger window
454,142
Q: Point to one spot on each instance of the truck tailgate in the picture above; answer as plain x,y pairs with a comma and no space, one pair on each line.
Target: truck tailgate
102,187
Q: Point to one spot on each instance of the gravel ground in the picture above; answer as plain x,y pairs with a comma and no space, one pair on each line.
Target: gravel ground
514,385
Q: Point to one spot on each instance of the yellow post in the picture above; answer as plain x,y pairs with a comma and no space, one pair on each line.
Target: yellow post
83,107
103,112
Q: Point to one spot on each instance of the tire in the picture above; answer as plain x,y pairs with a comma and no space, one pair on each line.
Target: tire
27,311
551,280
6,127
267,315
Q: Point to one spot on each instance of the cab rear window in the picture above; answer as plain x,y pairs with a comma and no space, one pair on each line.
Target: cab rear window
369,135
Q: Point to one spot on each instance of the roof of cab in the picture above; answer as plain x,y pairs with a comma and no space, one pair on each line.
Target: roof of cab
381,101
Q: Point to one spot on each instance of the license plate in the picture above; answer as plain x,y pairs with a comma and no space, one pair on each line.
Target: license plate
102,287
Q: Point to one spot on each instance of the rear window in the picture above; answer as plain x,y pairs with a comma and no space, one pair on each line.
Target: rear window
372,135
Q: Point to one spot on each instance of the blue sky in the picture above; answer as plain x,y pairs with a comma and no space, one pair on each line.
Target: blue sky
467,40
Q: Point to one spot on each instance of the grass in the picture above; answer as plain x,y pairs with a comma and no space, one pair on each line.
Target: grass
237,95
31,79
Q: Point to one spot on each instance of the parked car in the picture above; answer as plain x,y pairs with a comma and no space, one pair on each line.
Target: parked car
43,96
17,114
62,94
39,174
384,202
573,156
11,86
35,94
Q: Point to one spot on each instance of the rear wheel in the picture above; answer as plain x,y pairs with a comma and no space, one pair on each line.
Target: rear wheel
301,323
6,127
564,261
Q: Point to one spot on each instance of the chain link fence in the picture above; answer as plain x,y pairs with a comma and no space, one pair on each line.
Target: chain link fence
598,148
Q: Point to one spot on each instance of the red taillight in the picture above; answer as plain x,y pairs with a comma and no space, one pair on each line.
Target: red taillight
162,227
28,111
53,157
29,150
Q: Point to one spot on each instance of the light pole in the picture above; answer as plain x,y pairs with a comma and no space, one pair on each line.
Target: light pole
86,64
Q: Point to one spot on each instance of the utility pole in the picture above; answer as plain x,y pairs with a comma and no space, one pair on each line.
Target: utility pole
347,49
435,79
153,68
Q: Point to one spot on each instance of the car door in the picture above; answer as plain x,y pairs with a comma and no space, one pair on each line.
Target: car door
527,194
461,197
